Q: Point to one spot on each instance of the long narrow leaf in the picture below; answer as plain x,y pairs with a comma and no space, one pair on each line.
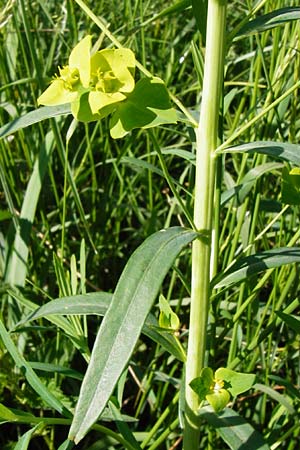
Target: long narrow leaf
271,20
283,151
282,400
46,112
97,303
250,265
135,293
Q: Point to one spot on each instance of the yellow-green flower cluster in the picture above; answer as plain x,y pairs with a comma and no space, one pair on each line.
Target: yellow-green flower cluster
93,84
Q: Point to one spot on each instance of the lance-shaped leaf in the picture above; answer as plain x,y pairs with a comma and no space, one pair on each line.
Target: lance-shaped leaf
135,293
98,303
253,264
47,112
271,20
283,151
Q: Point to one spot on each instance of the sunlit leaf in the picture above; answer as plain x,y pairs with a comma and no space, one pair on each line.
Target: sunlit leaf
235,382
135,293
147,106
167,318
218,399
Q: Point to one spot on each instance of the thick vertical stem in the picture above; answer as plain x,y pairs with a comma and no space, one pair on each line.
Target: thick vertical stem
207,136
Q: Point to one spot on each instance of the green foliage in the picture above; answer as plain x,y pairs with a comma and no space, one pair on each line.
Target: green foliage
132,300
290,190
217,387
167,318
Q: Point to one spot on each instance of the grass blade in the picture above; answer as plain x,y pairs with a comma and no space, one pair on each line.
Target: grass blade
135,293
16,267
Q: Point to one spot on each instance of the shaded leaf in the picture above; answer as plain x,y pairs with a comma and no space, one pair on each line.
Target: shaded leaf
202,385
248,181
135,293
276,396
234,429
122,426
16,265
24,440
200,13
290,321
54,368
6,415
178,7
290,187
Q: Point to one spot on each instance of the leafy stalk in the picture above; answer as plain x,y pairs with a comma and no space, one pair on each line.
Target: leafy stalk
207,136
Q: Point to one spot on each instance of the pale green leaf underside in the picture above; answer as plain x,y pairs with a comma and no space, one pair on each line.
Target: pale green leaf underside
97,303
135,293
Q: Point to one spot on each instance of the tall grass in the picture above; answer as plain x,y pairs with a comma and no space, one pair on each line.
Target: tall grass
79,203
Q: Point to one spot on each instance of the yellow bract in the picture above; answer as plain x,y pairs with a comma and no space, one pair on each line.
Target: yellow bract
92,84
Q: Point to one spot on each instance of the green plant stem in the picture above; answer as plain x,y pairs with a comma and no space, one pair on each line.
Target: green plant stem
207,141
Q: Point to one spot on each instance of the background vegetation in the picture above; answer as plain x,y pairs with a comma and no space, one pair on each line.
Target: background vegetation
97,205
